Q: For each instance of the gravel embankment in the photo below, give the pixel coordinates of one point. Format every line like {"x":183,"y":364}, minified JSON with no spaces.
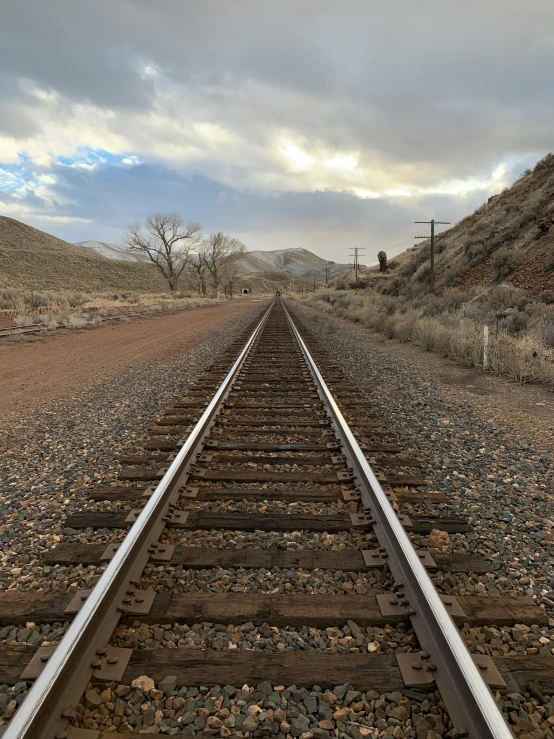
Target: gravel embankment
{"x":50,"y":460}
{"x":492,"y":477}
{"x":505,"y":482}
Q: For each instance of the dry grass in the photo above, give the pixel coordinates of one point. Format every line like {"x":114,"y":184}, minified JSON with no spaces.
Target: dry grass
{"x":77,"y":310}
{"x":452,"y":325}
{"x":15,"y":302}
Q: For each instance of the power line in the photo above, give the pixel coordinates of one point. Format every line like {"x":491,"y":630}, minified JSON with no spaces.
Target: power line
{"x":432,"y":223}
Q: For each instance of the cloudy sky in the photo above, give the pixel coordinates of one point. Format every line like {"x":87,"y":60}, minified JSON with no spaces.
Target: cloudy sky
{"x":313,"y":123}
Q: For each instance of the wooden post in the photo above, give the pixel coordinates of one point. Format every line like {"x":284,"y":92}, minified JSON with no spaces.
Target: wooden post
{"x":485,"y":347}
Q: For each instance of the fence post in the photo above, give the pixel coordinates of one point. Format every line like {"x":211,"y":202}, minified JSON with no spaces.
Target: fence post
{"x":485,"y":347}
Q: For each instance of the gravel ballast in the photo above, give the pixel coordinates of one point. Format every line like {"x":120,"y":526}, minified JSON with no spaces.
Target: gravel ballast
{"x":495,"y":478}
{"x":49,"y":461}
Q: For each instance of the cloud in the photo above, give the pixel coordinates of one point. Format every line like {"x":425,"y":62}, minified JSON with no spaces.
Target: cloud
{"x":373,"y":110}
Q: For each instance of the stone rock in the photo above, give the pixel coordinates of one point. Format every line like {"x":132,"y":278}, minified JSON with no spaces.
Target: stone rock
{"x":265,"y":688}
{"x":439,"y":539}
{"x":167,"y":685}
{"x":249,"y":724}
{"x":340,"y":691}
{"x":399,"y":712}
{"x":92,"y":698}
{"x":326,"y":724}
{"x":143,"y":683}
{"x":297,"y":727}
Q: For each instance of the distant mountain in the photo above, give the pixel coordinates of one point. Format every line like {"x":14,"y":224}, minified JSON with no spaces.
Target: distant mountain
{"x":302,"y":262}
{"x":112,"y":251}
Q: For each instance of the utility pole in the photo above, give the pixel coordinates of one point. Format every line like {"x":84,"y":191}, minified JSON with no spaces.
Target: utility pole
{"x":432,"y":222}
{"x":357,"y":250}
{"x":314,"y":281}
{"x":326,"y":273}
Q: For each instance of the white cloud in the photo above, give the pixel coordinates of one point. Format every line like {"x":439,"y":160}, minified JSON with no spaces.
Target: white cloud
{"x":21,"y":210}
{"x":184,"y":130}
{"x":497,"y":180}
{"x":132,"y":161}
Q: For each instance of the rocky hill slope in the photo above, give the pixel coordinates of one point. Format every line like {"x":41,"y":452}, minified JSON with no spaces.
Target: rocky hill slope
{"x":510,"y":238}
{"x":33,"y":259}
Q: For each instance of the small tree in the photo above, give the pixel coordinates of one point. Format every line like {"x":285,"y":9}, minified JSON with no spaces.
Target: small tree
{"x":230,"y":285}
{"x":382,"y":257}
{"x":220,"y":254}
{"x":198,"y":272}
{"x":167,"y":241}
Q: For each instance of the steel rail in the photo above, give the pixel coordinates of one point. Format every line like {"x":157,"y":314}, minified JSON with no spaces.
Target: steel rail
{"x":468,"y":698}
{"x":68,"y":670}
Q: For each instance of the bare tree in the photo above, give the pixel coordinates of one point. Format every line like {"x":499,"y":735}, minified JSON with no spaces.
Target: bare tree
{"x":198,"y":273}
{"x":220,"y":254}
{"x":230,"y":286}
{"x":167,"y":241}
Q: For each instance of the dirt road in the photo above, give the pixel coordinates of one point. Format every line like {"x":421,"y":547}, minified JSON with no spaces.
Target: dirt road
{"x":32,"y":376}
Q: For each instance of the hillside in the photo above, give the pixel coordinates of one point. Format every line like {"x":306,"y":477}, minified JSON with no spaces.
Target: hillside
{"x":33,"y":259}
{"x":510,"y":238}
{"x":113,"y":251}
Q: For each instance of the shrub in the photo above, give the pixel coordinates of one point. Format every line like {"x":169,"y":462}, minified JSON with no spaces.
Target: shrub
{"x":409,"y":269}
{"x":548,"y":333}
{"x":453,"y":298}
{"x":517,"y":323}
{"x":452,"y":276}
{"x":525,"y":218}
{"x":76,"y":299}
{"x":479,"y":252}
{"x":35,"y":300}
{"x":504,"y":263}
{"x":20,"y":321}
{"x":545,"y":163}
{"x":549,"y":266}
{"x":75,"y":321}
{"x":547,"y":297}
{"x":423,"y":273}
{"x":394,"y":287}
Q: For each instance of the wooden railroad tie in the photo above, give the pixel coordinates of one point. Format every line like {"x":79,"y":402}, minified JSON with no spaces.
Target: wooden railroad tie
{"x":350,"y":560}
{"x":378,"y":672}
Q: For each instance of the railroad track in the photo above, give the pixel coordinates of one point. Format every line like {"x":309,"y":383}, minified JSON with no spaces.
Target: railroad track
{"x":16,"y":330}
{"x":262,"y":425}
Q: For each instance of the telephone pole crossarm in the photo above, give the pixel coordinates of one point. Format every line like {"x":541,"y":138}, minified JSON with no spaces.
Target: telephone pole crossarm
{"x":432,"y":223}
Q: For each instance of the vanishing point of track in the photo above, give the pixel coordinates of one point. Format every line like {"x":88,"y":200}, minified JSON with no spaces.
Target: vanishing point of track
{"x":268,"y":386}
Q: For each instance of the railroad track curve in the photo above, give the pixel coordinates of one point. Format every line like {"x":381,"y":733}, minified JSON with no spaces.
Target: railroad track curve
{"x":272,"y":420}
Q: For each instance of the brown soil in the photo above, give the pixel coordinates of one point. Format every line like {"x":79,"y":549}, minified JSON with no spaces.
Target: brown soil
{"x":33,"y":376}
